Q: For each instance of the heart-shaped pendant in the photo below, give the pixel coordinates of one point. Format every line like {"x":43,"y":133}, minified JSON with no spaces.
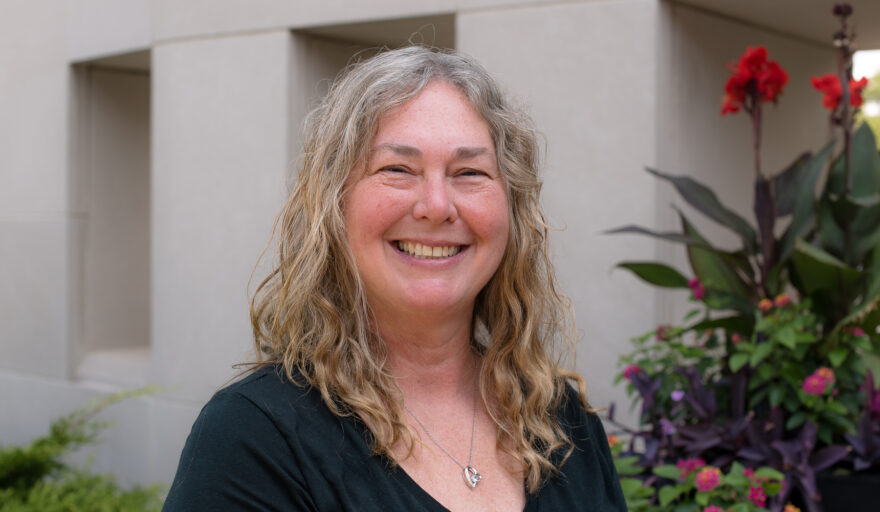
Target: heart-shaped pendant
{"x":471,"y":476}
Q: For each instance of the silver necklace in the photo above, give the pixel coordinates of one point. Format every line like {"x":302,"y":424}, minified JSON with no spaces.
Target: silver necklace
{"x":471,"y":476}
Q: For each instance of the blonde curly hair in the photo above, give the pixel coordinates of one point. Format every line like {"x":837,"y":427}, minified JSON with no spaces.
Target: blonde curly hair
{"x":310,"y":313}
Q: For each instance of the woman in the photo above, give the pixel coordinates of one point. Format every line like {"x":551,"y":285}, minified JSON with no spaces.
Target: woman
{"x":406,"y":332}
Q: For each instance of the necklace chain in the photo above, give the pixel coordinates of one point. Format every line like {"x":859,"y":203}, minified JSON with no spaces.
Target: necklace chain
{"x":471,"y":476}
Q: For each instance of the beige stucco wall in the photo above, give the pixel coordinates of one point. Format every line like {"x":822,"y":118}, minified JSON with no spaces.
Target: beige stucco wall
{"x":614,"y":85}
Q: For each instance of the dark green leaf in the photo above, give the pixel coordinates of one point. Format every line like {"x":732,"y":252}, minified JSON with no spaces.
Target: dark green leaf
{"x":777,"y":393}
{"x":820,"y":271}
{"x":714,"y":272}
{"x":786,"y":184}
{"x":796,"y":420}
{"x":704,"y":200}
{"x":865,"y":162}
{"x":657,"y":274}
{"x":805,"y":197}
{"x":669,"y":236}
{"x":738,"y":323}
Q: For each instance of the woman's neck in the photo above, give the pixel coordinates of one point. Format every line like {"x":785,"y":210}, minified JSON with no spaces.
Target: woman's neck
{"x":430,"y":358}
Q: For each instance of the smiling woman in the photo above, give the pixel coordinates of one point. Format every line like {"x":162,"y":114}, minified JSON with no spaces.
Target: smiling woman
{"x":407,"y":332}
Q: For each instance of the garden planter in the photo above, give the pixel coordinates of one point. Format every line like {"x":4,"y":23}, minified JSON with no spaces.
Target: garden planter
{"x":855,"y":492}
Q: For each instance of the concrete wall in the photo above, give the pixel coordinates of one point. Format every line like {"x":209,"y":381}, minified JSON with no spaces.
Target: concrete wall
{"x":221,"y":88}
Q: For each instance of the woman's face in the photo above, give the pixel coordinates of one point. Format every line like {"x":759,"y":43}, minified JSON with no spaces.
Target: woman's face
{"x":428,"y":220}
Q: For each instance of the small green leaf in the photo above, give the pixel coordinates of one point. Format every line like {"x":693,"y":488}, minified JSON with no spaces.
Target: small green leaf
{"x":630,"y":485}
{"x":737,"y":361}
{"x":787,"y":336}
{"x":768,"y":472}
{"x":668,"y":494}
{"x":796,"y":420}
{"x":667,"y":471}
{"x":702,"y":498}
{"x":761,"y":352}
{"x":777,"y":393}
{"x":838,"y":356}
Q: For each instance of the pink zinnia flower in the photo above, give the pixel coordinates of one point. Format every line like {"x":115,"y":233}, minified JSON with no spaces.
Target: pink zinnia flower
{"x":688,"y":466}
{"x":631,"y":370}
{"x":765,"y":305}
{"x":814,"y":385}
{"x":782,"y":300}
{"x":713,"y":508}
{"x":736,"y":338}
{"x":749,"y":473}
{"x":708,"y":478}
{"x":756,"y":494}
{"x":858,"y":332}
{"x":697,"y":288}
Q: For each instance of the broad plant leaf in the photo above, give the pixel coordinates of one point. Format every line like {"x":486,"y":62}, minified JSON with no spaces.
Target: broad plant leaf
{"x":786,"y":184}
{"x":739,"y":323}
{"x":704,"y":200}
{"x":803,"y":207}
{"x":865,"y":162}
{"x":713,"y":270}
{"x":821,"y":271}
{"x":738,"y":259}
{"x":830,"y":235}
{"x":657,"y":274}
{"x":864,"y":166}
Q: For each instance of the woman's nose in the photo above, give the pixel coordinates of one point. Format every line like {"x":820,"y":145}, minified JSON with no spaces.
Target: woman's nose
{"x":436,"y":201}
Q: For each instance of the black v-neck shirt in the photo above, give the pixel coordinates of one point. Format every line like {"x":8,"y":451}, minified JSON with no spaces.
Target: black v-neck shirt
{"x":267,"y":444}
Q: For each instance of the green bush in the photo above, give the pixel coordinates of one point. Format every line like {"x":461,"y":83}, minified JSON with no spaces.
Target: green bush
{"x":35,"y":478}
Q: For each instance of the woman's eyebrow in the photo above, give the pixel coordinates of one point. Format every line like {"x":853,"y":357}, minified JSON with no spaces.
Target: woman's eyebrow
{"x":462,"y":153}
{"x":398,"y":148}
{"x":465,"y":153}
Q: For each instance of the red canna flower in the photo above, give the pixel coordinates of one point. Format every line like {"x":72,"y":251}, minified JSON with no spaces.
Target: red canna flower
{"x":855,"y":91}
{"x":829,"y":85}
{"x":755,"y":77}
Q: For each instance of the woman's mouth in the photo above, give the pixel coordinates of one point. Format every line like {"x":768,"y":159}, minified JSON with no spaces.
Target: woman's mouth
{"x":421,"y":251}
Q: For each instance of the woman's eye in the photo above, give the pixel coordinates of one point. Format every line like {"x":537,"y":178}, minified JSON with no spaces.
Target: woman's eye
{"x":471,"y":172}
{"x":395,"y":169}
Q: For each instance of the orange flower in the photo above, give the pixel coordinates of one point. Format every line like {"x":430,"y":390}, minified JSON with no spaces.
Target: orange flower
{"x":782,"y":300}
{"x":791,"y":508}
{"x":765,"y":305}
{"x":613,"y":441}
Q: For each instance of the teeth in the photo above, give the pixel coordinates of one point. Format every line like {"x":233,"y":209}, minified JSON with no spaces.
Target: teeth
{"x":426,"y":251}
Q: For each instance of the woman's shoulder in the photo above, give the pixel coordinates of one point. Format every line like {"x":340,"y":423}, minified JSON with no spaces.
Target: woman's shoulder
{"x":266,"y":398}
